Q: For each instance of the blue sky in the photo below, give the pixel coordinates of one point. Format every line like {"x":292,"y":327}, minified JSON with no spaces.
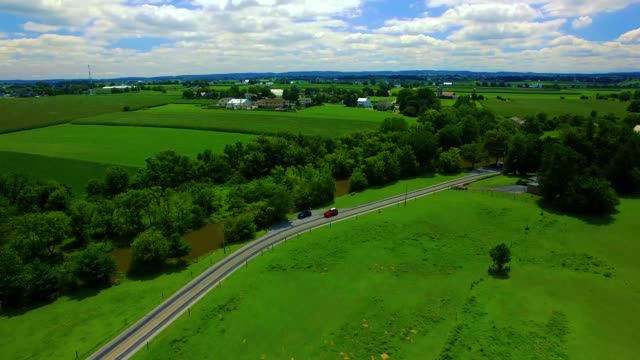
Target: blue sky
{"x":42,"y":39}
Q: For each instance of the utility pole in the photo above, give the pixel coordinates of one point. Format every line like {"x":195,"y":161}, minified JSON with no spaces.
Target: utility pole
{"x":406,"y":192}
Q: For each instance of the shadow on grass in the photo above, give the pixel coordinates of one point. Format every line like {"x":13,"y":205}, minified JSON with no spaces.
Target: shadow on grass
{"x":599,"y":220}
{"x":139,"y":272}
{"x":500,"y":274}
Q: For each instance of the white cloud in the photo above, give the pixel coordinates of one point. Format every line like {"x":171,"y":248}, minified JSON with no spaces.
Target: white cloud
{"x":581,"y":22}
{"x":632,"y":36}
{"x":549,"y":7}
{"x":35,"y":27}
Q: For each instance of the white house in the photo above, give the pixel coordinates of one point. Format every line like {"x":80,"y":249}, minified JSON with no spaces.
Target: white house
{"x":447,"y":83}
{"x":239,"y":104}
{"x":277,"y":92}
{"x":364,"y":102}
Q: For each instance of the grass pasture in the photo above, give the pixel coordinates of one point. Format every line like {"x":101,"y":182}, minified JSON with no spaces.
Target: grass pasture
{"x":28,"y":113}
{"x":128,"y":146}
{"x":75,"y":173}
{"x":86,"y":321}
{"x":412,"y":283}
{"x":327,"y":120}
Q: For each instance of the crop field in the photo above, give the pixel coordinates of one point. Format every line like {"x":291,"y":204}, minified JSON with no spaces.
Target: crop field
{"x":553,"y":107}
{"x":75,"y":173}
{"x":412,"y":283}
{"x":328,"y":120}
{"x":129,"y":146}
{"x":29,"y":113}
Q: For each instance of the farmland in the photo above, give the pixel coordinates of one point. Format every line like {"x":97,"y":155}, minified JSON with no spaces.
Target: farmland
{"x":128,"y":146}
{"x":29,"y":113}
{"x":75,"y":173}
{"x":412,"y":283}
{"x":328,"y":120}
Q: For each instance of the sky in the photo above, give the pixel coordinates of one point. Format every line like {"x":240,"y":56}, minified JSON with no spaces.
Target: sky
{"x":46,"y":39}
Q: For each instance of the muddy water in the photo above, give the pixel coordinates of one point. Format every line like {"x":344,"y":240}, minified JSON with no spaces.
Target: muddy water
{"x":202,"y":241}
{"x":205,"y":240}
{"x":123,"y":259}
{"x":342,"y":187}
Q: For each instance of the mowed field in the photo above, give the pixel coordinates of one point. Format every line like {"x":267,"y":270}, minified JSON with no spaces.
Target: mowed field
{"x":28,"y":113}
{"x":522,"y":106}
{"x":128,"y":146}
{"x":327,"y":120}
{"x":412,"y":283}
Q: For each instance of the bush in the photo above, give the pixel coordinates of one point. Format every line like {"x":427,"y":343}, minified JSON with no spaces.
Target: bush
{"x":450,"y":161}
{"x":126,"y":108}
{"x":150,"y":248}
{"x":178,"y":246}
{"x":239,"y":229}
{"x":94,"y":265}
{"x":501,"y":255}
{"x":358,"y":181}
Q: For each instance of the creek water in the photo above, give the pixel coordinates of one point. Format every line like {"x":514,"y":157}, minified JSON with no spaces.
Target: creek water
{"x":342,"y":187}
{"x":202,"y":242}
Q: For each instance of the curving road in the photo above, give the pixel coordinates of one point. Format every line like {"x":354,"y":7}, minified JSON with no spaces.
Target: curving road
{"x":136,"y":336}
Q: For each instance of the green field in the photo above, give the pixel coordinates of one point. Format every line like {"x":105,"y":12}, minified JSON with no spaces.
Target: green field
{"x":553,"y":107}
{"x":327,"y":120}
{"x":85,"y":321}
{"x":75,"y":173}
{"x":28,"y":113}
{"x":121,"y":145}
{"x":412,"y":283}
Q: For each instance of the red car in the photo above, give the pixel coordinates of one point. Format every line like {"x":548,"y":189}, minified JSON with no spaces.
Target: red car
{"x":331,"y":212}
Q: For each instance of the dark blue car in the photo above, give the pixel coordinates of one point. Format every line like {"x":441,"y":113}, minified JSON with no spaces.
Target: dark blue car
{"x":304,"y":213}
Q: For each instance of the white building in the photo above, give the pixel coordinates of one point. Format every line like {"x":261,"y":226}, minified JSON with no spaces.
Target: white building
{"x":236,"y":104}
{"x":277,"y":92}
{"x":637,"y":129}
{"x":364,"y":102}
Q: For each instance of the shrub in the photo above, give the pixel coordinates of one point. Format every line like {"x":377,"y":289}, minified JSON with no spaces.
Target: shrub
{"x":501,"y":255}
{"x":150,"y":248}
{"x":358,"y":181}
{"x":239,"y":229}
{"x":94,"y":265}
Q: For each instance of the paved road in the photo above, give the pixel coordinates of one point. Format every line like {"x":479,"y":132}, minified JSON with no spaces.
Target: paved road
{"x":135,"y":337}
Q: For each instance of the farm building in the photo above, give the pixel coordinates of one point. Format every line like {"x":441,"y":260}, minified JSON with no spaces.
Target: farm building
{"x":224,"y":101}
{"x":518,"y":120}
{"x":364,"y":102}
{"x":272,"y":104}
{"x":445,"y":94}
{"x":277,"y":92}
{"x":533,"y":186}
{"x":637,"y":129}
{"x":447,"y":84}
{"x":236,"y":104}
{"x":305,"y":101}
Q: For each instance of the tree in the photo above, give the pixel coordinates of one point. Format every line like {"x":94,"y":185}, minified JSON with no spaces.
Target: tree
{"x":450,"y":161}
{"x":449,"y":137}
{"x":167,"y":169}
{"x":634,"y":106}
{"x":94,"y":265}
{"x":188,"y":94}
{"x":495,"y":142}
{"x":39,"y":235}
{"x":501,"y":255}
{"x":150,"y":248}
{"x":473,"y":153}
{"x":95,"y":188}
{"x":590,"y":195}
{"x":15,"y":277}
{"x":560,"y":165}
{"x":239,"y":229}
{"x":358,"y":181}
{"x":116,"y":180}
{"x":178,"y":246}
{"x":394,"y":124}
{"x":81,"y":215}
{"x":58,"y":200}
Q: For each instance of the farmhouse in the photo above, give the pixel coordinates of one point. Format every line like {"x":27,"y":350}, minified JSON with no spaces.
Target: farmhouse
{"x":518,"y":120}
{"x":445,"y":94}
{"x":272,"y":104}
{"x":364,"y":102}
{"x":277,"y":92}
{"x":447,"y":84}
{"x":236,"y":104}
{"x":637,"y":129}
